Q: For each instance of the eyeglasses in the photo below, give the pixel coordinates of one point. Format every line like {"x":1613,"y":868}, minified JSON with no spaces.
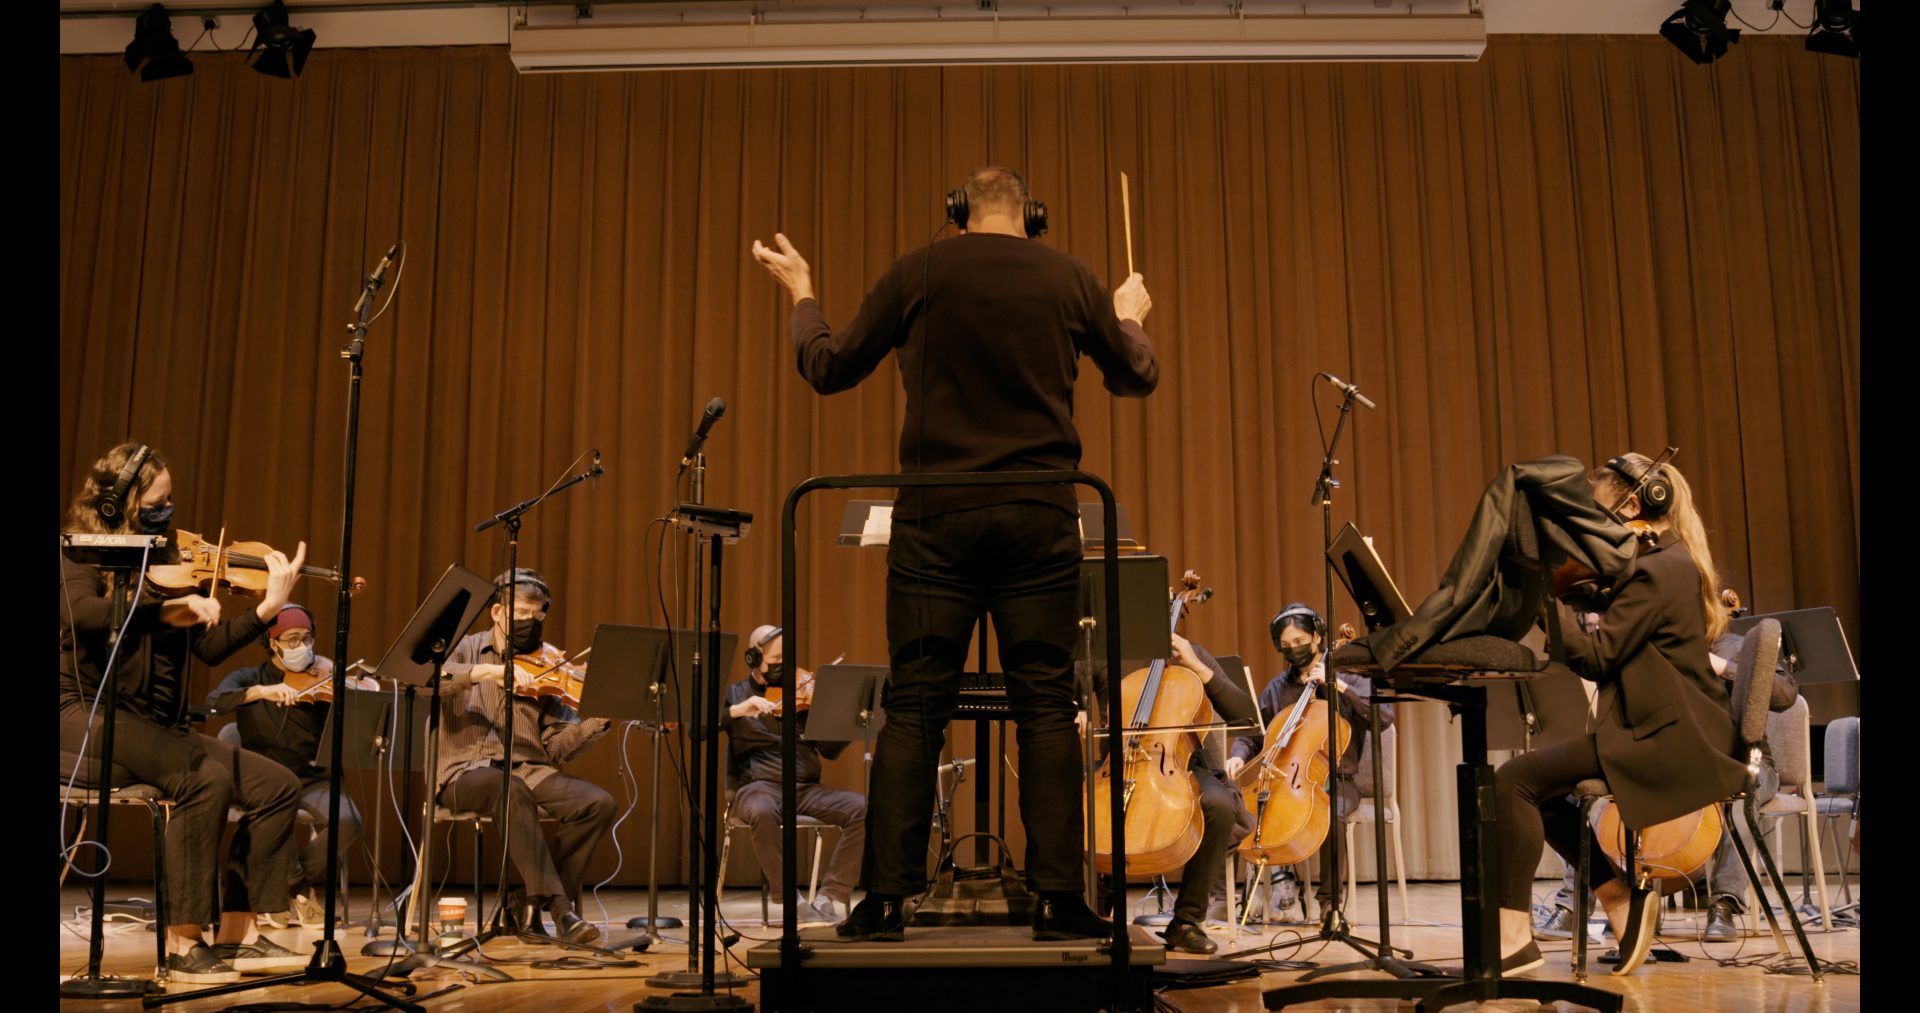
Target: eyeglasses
{"x":520,"y":614}
{"x":296,"y":640}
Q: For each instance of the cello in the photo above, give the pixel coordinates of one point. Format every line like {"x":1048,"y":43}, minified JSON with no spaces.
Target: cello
{"x":1159,"y":794}
{"x":1288,"y":794}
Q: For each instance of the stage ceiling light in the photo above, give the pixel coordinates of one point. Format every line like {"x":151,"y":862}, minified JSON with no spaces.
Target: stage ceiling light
{"x":153,"y":43}
{"x":1699,"y":29}
{"x":1836,"y":29}
{"x":282,"y":48}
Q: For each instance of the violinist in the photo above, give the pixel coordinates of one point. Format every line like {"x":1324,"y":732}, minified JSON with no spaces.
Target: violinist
{"x":1663,"y":738}
{"x":1224,"y":815}
{"x":475,"y":767}
{"x":753,"y":766}
{"x":129,"y":490}
{"x":1299,"y":634}
{"x":276,"y":722}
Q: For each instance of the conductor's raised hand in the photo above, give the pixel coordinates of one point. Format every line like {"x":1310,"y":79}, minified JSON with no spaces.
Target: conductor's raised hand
{"x":1131,"y":301}
{"x":786,"y":265}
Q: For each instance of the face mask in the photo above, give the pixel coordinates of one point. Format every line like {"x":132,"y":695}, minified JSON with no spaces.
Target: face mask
{"x":527,"y":635}
{"x":297,"y":659}
{"x":1298,"y":656}
{"x":154,"y":519}
{"x":775,"y":674}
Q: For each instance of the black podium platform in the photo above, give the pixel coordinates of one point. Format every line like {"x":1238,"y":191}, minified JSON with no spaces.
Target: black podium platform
{"x":962,"y":969}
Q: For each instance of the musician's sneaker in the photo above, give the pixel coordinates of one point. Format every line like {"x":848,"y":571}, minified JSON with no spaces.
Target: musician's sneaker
{"x":199,"y":966}
{"x":821,"y":912}
{"x":1643,"y":915}
{"x":1557,"y":925}
{"x":307,"y":911}
{"x":262,"y":956}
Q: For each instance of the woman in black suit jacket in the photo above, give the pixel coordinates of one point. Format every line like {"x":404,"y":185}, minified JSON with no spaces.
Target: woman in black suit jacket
{"x":1662,"y":739}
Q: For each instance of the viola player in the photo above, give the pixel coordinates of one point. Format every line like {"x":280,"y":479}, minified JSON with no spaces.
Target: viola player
{"x":475,"y":767}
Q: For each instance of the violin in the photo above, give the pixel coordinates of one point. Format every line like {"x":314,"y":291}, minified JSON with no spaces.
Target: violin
{"x":315,"y":685}
{"x":1159,"y":795}
{"x":1574,"y":578}
{"x":240,"y":567}
{"x":547,"y":672}
{"x":802,"y":690}
{"x":1288,"y":793}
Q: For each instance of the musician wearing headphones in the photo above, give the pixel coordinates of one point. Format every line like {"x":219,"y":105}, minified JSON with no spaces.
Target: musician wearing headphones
{"x":276,"y":722}
{"x":1224,"y":817}
{"x":475,"y":766}
{"x":1663,"y":738}
{"x":989,"y":327}
{"x":129,"y":490}
{"x":1299,"y":634}
{"x":753,"y":765}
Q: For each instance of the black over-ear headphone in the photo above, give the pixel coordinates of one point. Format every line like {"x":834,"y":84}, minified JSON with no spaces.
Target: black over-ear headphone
{"x":1292,"y":612}
{"x":523,"y":575}
{"x":1034,"y":214}
{"x":754,"y":654}
{"x":1652,"y":486}
{"x":111,"y":504}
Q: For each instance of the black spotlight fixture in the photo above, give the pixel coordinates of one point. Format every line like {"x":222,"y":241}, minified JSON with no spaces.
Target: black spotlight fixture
{"x":282,"y":48}
{"x":1699,"y":29}
{"x":153,"y":43}
{"x":1836,"y":29}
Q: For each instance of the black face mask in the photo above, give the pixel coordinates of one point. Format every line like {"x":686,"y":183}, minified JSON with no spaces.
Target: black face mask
{"x":1298,"y":657}
{"x":526,"y":635}
{"x":154,"y":519}
{"x":774,"y":674}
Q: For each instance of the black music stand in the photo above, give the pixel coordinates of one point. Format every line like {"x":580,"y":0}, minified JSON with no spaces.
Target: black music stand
{"x":376,"y":720}
{"x":635,"y":677}
{"x":414,"y":660}
{"x":1812,"y":643}
{"x":846,"y":704}
{"x":1144,"y":580}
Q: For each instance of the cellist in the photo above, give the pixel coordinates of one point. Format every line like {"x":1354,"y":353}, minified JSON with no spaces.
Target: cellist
{"x":1299,"y":634}
{"x":1221,"y":808}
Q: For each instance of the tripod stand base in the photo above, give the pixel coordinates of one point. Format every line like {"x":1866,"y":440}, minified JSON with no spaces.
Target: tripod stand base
{"x":385,"y":948}
{"x":691,"y":1001}
{"x":662,"y":922}
{"x":417,"y":960}
{"x":329,"y":967}
{"x":694,"y":979}
{"x":108,"y":988}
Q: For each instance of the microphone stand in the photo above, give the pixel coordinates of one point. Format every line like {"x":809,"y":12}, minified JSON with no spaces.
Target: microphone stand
{"x":329,"y":964}
{"x":502,"y":819}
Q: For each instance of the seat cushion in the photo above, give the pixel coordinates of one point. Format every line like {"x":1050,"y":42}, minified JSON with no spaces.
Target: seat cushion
{"x":1480,"y":654}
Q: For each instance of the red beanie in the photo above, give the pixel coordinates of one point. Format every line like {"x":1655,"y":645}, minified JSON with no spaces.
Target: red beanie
{"x":291,"y":617}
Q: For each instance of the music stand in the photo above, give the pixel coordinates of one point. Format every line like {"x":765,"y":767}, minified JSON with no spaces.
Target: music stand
{"x":1143,"y":597}
{"x":636,"y":681}
{"x":1366,"y":579}
{"x":1812,"y":643}
{"x":1536,"y":712}
{"x":846,"y":703}
{"x":373,"y":726}
{"x":414,"y":660}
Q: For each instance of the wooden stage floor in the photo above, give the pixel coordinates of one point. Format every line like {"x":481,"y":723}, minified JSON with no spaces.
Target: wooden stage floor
{"x":1433,"y":934}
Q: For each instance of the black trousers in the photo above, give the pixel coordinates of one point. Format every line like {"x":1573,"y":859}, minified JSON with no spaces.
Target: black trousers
{"x":203,"y":776}
{"x":1020,"y":564}
{"x":1532,"y":798}
{"x":1221,"y":808}
{"x":757,"y":804}
{"x":584,"y":810}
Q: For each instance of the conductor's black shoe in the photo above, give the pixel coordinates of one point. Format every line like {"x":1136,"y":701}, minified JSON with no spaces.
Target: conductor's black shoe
{"x":878,"y":917}
{"x":1188,"y":938}
{"x":1720,"y":924}
{"x":1067,"y":916}
{"x":574,"y":929}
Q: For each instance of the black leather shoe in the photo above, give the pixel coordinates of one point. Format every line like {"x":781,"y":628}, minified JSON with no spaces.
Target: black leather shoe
{"x":1067,"y":916}
{"x":878,"y":917}
{"x":1188,"y":938}
{"x":1720,"y":923}
{"x":574,"y":929}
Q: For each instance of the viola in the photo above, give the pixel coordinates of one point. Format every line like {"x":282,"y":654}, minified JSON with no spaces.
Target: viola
{"x":1159,"y":795}
{"x":548,"y":672}
{"x":1288,"y":793}
{"x":239,"y":567}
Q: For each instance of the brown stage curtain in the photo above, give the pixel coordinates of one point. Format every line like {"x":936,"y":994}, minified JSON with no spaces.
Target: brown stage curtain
{"x":1575,"y":245}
